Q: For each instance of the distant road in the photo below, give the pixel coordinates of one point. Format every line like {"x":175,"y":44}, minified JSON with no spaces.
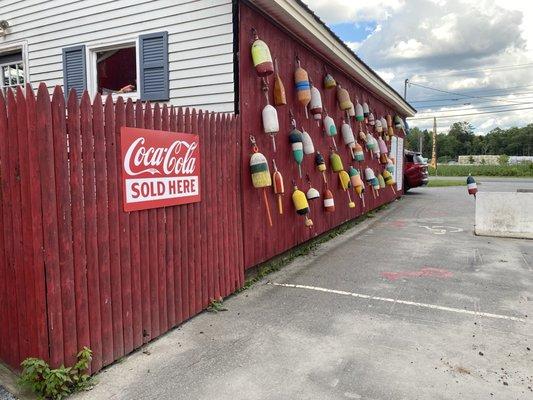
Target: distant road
{"x":495,"y":183}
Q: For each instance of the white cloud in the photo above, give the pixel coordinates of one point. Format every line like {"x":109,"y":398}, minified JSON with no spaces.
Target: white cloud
{"x":337,"y":11}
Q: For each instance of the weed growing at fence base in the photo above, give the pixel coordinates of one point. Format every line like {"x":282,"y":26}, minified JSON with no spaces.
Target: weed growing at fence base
{"x":520,"y":170}
{"x":57,"y":383}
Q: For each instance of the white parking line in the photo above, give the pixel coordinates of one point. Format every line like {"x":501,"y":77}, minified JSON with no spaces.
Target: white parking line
{"x":409,"y":303}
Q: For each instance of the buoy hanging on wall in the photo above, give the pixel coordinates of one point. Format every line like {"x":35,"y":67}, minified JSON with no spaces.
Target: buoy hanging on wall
{"x":307,"y":142}
{"x":389,"y":180}
{"x":329,"y":81}
{"x":471,"y":185}
{"x":383,"y":150}
{"x":348,"y":138}
{"x":280,"y":97}
{"x":301,"y":205}
{"x":261,"y":57}
{"x":371,"y":179}
{"x":378,"y":126}
{"x":359,"y":114}
{"x":270,"y":117}
{"x":330,"y":129}
{"x":343,"y":98}
{"x":366,"y":110}
{"x":279,"y":187}
{"x":303,"y":88}
{"x":260,"y":174}
{"x":359,"y":153}
{"x":315,"y":105}
{"x":344,"y":179}
{"x":296,"y":142}
{"x":329,"y":201}
{"x":336,"y":162}
{"x":357,"y":183}
{"x":321,"y":165}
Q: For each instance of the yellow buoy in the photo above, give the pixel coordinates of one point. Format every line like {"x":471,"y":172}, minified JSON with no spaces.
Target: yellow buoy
{"x":336,"y":162}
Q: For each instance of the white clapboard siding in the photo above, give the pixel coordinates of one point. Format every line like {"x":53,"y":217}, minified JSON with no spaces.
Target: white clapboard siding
{"x":200,"y":40}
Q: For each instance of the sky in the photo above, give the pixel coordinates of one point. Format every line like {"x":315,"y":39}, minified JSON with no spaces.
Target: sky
{"x":479,"y":50}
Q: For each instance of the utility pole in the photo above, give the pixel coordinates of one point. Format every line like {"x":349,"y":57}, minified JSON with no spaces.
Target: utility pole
{"x":405,"y":89}
{"x":421,"y":142}
{"x":434,"y":147}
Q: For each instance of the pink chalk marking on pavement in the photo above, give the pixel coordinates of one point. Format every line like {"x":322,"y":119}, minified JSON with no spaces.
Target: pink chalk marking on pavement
{"x":426,"y":272}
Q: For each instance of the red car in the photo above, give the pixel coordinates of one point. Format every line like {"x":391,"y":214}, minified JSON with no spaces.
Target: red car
{"x":416,"y":170}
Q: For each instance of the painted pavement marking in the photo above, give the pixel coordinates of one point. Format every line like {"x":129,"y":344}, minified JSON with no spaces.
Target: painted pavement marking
{"x":405,"y":302}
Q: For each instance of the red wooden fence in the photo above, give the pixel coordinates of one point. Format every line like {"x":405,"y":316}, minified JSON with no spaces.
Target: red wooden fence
{"x":75,"y":269}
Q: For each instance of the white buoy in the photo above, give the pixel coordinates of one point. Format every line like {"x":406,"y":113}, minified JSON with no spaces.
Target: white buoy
{"x":308,"y":146}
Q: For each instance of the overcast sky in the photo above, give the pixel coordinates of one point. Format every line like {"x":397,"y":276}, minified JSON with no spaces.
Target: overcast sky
{"x":433,"y":42}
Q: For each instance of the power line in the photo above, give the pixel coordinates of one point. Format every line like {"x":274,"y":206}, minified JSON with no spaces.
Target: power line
{"x":462,"y":98}
{"x":499,"y":68}
{"x":460,"y":94}
{"x":466,"y":115}
{"x":474,"y":108}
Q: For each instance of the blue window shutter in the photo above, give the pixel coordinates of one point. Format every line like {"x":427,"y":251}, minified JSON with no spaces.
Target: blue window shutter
{"x":74,"y":69}
{"x":154,"y":66}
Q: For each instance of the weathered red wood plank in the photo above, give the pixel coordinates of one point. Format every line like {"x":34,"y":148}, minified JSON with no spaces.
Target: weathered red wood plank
{"x":64,"y":218}
{"x":78,"y":221}
{"x":111,"y":324}
{"x":176,"y":262}
{"x":204,"y":227}
{"x":161,"y":247}
{"x":49,"y":210}
{"x":152,"y":245}
{"x":130,"y":267}
{"x":144,"y":254}
{"x":91,"y":238}
{"x":196,"y":236}
{"x":207,"y":198}
{"x":215,"y":125}
{"x":190,"y":237}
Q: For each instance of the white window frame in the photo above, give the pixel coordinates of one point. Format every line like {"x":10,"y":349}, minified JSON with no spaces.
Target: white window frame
{"x":23,"y":47}
{"x":91,"y":55}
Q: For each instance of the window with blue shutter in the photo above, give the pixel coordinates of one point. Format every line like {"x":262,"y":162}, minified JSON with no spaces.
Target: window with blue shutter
{"x":153,"y":49}
{"x":74,"y":69}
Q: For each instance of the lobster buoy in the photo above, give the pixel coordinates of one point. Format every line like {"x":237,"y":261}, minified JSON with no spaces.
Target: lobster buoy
{"x":260,"y":174}
{"x":378,"y":126}
{"x":315,"y":106}
{"x":303,"y":87}
{"x":381,"y":181}
{"x":330,"y":129}
{"x":371,"y":179}
{"x":383,"y":150}
{"x":362,"y":134}
{"x":261,"y":56}
{"x":390,"y":129}
{"x":357,"y":183}
{"x":371,"y":144}
{"x":295,"y":139}
{"x":280,"y":97}
{"x":343,"y":98}
{"x":390,"y":166}
{"x":312,"y":193}
{"x":366,"y":110}
{"x":375,"y":149}
{"x":398,"y":123}
{"x":329,"y":201}
{"x":270,"y":117}
{"x":359,"y":114}
{"x":301,"y":205}
{"x":385,"y":127}
{"x":371,"y":119}
{"x":345,"y":184}
{"x":307,"y":142}
{"x":336,"y":162}
{"x":471,"y":185}
{"x":321,"y":165}
{"x":279,"y":187}
{"x":359,"y":153}
{"x":389,"y":180}
{"x":329,"y":81}
{"x":348,"y":137}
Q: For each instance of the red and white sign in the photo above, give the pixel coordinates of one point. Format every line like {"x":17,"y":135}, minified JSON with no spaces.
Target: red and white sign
{"x":160,"y":168}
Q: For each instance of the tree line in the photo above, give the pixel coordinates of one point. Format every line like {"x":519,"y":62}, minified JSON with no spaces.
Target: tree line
{"x":461,"y":140}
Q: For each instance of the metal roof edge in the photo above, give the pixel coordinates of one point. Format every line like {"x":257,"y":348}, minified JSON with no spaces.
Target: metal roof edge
{"x":297,"y":13}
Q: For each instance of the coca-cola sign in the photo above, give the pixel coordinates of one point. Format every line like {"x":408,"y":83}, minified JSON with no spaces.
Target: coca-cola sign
{"x":159,"y":168}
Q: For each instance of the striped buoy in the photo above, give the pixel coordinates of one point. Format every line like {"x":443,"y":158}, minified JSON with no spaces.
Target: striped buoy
{"x":471,"y":185}
{"x":321,"y":165}
{"x":307,"y":142}
{"x":359,"y":113}
{"x":348,"y":138}
{"x":261,"y":57}
{"x":336,"y":162}
{"x":330,"y":129}
{"x":371,"y":179}
{"x":280,"y":98}
{"x":383,"y":150}
{"x":359,"y":153}
{"x":315,"y":105}
{"x":260,"y":174}
{"x":303,"y":88}
{"x":344,"y":179}
{"x":390,"y":166}
{"x":295,"y":139}
{"x":301,"y":205}
{"x":329,"y":201}
{"x":312,"y":193}
{"x":270,"y":117}
{"x":279,"y":187}
{"x":389,"y":180}
{"x":385,"y":127}
{"x":371,"y":119}
{"x":357,"y":183}
{"x":370,"y":144}
{"x":366,"y":110}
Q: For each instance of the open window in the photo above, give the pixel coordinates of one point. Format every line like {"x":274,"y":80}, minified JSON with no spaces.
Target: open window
{"x":116,"y":70}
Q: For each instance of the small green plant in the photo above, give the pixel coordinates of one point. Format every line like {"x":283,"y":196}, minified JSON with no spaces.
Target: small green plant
{"x":57,"y":383}
{"x":216,"y":306}
{"x":503,"y":159}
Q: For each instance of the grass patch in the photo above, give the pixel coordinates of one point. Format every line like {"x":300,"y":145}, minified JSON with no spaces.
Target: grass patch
{"x":446,"y":182}
{"x":518,"y":170}
{"x":255,"y":274}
